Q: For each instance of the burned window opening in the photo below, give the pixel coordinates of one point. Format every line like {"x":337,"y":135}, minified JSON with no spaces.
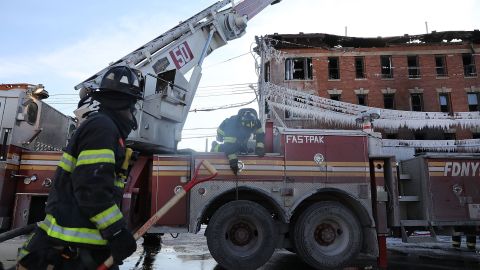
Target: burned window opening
{"x":389,"y":101}
{"x":266,"y":72}
{"x":441,"y":66}
{"x":333,"y":68}
{"x":298,"y":68}
{"x":335,"y":97}
{"x":469,"y":68}
{"x":359,"y":67}
{"x":387,"y":68}
{"x":416,"y":101}
{"x":362,"y":99}
{"x":413,"y":66}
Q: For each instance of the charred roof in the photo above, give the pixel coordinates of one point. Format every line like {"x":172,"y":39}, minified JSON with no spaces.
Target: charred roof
{"x":302,"y":40}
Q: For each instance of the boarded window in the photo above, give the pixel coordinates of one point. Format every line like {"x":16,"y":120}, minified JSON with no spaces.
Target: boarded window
{"x":298,"y":68}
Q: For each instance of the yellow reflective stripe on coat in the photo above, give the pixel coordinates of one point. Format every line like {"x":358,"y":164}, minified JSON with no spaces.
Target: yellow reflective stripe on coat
{"x":67,"y":162}
{"x":75,"y":235}
{"x":232,"y":156}
{"x":221,"y":132}
{"x":259,"y":130}
{"x":230,"y":139}
{"x":260,"y":144}
{"x":96,"y":156}
{"x":22,"y":253}
{"x":107,"y":217}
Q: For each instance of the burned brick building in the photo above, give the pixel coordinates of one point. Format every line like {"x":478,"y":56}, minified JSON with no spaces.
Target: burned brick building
{"x":435,"y":72}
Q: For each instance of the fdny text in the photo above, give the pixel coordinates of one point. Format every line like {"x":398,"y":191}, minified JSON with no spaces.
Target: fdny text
{"x":304,"y":139}
{"x":462,"y":169}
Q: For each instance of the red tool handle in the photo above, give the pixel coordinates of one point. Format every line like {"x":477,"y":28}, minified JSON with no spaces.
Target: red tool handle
{"x":174,"y":200}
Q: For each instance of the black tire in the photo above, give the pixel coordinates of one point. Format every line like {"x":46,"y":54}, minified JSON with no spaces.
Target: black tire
{"x":241,"y":235}
{"x":327,"y":235}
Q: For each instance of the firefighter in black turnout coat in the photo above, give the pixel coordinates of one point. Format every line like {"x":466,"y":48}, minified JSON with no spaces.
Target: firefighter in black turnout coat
{"x":235,"y":132}
{"x":83,"y":224}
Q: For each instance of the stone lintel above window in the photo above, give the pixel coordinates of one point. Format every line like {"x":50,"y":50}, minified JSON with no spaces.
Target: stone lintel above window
{"x":444,"y":90}
{"x":416,"y":90}
{"x":472,"y":89}
{"x":389,"y":90}
{"x":334,"y":91}
{"x":361,"y":91}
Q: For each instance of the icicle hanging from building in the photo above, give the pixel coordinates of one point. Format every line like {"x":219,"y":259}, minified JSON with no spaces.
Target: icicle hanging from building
{"x":472,"y":145}
{"x":344,"y":114}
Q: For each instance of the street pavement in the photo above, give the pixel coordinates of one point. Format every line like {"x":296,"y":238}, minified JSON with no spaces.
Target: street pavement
{"x":190,"y":252}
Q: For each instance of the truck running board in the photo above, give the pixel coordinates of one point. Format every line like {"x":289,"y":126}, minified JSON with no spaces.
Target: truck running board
{"x":412,"y":231}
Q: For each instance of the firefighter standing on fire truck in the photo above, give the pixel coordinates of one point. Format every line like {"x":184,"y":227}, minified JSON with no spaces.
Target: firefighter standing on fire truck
{"x":83,"y":224}
{"x":235,"y":131}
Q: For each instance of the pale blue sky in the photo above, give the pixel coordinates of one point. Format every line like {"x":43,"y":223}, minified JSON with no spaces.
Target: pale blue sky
{"x":61,"y":43}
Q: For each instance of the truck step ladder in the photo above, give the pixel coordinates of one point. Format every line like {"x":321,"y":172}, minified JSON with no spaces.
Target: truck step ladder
{"x":407,"y":226}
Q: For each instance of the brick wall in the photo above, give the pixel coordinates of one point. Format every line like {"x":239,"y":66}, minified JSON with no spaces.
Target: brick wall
{"x":455,"y":83}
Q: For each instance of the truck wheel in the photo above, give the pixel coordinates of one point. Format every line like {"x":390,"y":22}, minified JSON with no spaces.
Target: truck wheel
{"x":327,"y":235}
{"x":241,"y":235}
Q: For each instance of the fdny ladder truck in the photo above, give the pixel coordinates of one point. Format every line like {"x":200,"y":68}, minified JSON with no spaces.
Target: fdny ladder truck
{"x":326,"y":195}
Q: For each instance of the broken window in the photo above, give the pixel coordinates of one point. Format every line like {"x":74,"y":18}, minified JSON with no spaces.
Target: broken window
{"x":441,"y":65}
{"x":416,"y":101}
{"x":362,"y":99}
{"x":444,"y":100}
{"x":333,"y":68}
{"x":413,"y":66}
{"x":359,"y":67}
{"x":387,"y":68}
{"x":335,"y":97}
{"x":389,"y":101}
{"x":266,"y":71}
{"x":298,"y":68}
{"x":473,"y":101}
{"x":469,"y":68}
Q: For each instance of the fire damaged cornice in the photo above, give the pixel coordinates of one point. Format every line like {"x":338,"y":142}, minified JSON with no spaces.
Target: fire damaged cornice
{"x":328,"y":41}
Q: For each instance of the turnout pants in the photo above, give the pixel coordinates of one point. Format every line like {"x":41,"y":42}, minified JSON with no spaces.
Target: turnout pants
{"x":39,"y":252}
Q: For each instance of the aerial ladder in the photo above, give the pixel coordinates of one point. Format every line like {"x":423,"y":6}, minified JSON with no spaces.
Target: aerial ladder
{"x":166,"y":60}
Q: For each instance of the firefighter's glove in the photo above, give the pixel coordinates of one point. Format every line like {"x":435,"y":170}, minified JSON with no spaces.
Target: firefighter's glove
{"x":122,"y":245}
{"x":234,"y":165}
{"x":260,"y":151}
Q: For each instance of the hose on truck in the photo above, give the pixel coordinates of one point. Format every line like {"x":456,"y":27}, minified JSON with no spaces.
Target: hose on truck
{"x":17,"y":232}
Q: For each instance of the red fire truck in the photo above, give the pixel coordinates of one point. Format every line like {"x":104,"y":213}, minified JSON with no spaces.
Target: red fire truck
{"x":327,"y":195}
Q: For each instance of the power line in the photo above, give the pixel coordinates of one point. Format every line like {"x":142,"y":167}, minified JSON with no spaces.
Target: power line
{"x":230,"y":59}
{"x":236,"y":105}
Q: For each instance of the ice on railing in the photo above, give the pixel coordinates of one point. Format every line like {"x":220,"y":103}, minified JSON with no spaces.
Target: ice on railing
{"x":342,"y":113}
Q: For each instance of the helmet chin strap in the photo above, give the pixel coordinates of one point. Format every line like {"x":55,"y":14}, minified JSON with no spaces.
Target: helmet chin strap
{"x":134,"y":123}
